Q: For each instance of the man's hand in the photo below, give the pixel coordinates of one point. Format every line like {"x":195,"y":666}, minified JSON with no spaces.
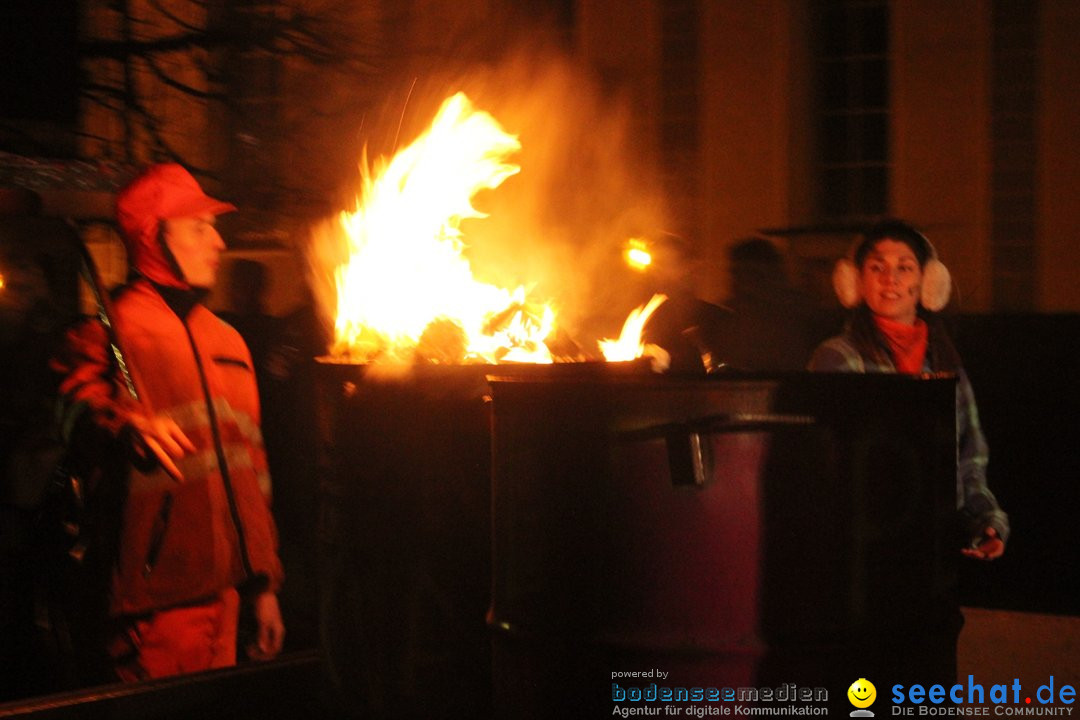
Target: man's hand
{"x":989,"y":547}
{"x":271,"y":633}
{"x":160,"y":438}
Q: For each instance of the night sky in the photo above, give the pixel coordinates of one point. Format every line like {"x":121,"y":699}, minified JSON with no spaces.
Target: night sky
{"x":39,"y":76}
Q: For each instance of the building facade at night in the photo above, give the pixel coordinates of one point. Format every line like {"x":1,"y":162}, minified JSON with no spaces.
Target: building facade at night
{"x":797,"y":116}
{"x":707,"y":121}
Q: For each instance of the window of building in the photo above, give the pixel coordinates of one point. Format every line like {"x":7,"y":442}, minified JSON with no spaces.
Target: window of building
{"x":680,"y":121}
{"x":851,"y":53}
{"x":1013,"y":153}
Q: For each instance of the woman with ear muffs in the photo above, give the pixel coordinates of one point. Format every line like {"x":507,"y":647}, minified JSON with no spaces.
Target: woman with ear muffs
{"x":894,"y":285}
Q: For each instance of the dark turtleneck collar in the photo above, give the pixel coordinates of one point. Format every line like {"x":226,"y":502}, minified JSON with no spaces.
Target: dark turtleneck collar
{"x":181,"y":300}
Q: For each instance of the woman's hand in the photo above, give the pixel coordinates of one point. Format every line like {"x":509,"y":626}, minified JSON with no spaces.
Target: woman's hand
{"x":989,"y":547}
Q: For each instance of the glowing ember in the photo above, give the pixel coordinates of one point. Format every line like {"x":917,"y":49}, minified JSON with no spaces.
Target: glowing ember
{"x":629,"y":345}
{"x":406,"y":290}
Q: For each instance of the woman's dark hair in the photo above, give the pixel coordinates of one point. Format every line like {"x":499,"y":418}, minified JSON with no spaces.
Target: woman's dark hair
{"x":893,"y":229}
{"x":865,"y":335}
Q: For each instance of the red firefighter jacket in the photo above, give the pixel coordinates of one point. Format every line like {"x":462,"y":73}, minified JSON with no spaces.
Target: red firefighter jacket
{"x":187,"y":541}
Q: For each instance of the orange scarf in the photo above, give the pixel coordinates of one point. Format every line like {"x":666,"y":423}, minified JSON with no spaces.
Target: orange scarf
{"x":907,"y":343}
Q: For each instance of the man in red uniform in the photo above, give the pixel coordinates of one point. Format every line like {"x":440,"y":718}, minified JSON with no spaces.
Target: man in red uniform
{"x":195,"y":536}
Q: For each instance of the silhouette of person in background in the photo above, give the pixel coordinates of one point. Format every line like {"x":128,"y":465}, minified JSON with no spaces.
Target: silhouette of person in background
{"x":769,"y":328}
{"x":247,"y":285}
{"x":684,"y":325}
{"x":38,"y":298}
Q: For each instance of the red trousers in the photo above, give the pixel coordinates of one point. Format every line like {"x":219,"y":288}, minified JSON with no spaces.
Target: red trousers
{"x":178,"y":640}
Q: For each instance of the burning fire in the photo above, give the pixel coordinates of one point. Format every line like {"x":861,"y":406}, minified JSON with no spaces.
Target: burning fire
{"x":405,"y":290}
{"x":406,"y":287}
{"x":629,"y":345}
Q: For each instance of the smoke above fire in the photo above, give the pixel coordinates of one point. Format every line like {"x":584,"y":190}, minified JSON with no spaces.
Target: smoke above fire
{"x":574,"y":184}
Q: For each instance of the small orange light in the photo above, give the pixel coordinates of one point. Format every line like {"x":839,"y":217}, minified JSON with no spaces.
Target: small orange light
{"x":637,"y":254}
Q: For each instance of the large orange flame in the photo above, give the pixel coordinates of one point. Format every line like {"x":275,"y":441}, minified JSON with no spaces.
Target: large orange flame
{"x":406,"y":286}
{"x":404,"y":289}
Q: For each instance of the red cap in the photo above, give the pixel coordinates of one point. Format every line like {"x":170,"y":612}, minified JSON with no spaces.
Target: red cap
{"x":161,"y":192}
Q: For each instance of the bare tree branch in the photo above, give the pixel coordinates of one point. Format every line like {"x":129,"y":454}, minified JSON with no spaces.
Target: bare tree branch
{"x":93,"y":136}
{"x":129,"y":83}
{"x":177,"y":85}
{"x":150,"y":125}
{"x":124,"y":49}
{"x":315,"y":35}
{"x":178,"y":21}
{"x":88,"y":90}
{"x":210,"y":72}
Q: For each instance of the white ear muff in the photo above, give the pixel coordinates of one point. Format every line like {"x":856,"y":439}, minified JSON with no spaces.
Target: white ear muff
{"x":845,"y":281}
{"x":936,"y":285}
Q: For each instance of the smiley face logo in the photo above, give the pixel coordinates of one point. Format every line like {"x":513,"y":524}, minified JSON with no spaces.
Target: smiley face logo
{"x":862,"y":693}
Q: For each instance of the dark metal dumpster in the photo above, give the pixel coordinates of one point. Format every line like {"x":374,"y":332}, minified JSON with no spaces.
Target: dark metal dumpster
{"x":721,"y":532}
